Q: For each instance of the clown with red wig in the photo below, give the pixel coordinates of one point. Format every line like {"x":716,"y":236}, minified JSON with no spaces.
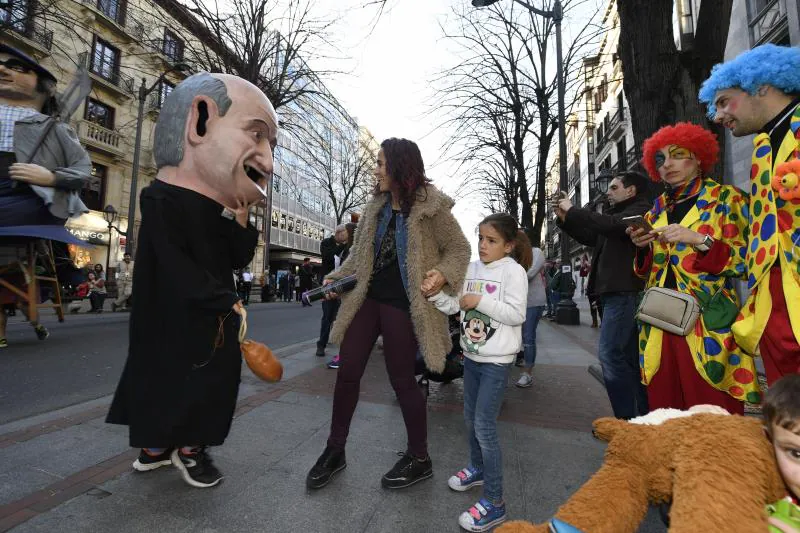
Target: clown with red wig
{"x":697,"y":247}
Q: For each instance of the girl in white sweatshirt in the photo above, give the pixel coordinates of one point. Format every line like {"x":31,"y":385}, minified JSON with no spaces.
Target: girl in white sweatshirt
{"x":492,"y":304}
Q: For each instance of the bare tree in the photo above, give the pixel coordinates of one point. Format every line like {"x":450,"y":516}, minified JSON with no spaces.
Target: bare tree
{"x":270,"y":43}
{"x":499,"y":103}
{"x":661,"y":81}
{"x":341,"y":160}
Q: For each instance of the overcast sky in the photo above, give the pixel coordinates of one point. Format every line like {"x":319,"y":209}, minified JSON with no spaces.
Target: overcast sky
{"x":390,"y":64}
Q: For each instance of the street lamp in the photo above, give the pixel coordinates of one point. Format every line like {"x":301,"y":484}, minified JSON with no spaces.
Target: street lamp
{"x":143,"y":92}
{"x":111,"y":216}
{"x":567,"y":310}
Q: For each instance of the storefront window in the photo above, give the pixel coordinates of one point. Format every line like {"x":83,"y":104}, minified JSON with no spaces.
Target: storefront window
{"x":297,"y":227}
{"x":290,"y":225}
{"x":274,"y":219}
{"x":283,"y":221}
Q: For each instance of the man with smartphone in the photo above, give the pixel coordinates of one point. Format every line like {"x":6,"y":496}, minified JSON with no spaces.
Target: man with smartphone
{"x":613,"y":281}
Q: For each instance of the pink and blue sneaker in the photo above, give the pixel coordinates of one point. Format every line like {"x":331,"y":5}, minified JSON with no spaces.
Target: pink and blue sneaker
{"x":465,"y":479}
{"x":482,"y":516}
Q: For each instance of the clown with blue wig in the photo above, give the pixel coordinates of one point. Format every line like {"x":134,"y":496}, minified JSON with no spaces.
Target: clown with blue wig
{"x":759,"y":93}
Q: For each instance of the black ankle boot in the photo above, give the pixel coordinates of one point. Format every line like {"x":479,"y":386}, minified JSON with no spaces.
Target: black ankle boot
{"x":407,"y":471}
{"x":329,"y":463}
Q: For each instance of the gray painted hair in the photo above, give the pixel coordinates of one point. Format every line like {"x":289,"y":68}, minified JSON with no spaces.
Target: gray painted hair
{"x":340,"y":227}
{"x":169,"y":133}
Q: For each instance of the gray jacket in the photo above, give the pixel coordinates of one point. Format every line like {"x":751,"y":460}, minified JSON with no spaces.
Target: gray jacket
{"x":536,"y":280}
{"x":63,"y":155}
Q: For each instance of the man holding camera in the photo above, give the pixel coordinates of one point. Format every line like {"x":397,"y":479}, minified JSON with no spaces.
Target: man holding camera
{"x":613,"y":280}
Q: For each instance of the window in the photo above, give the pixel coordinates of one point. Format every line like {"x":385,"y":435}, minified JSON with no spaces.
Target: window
{"x":274,"y":219}
{"x":298,"y":227}
{"x":164,"y":91}
{"x":172,"y":46}
{"x":99,"y":113}
{"x":93,"y":189}
{"x":105,"y":60}
{"x":15,"y":15}
{"x":283,"y":221}
{"x":290,"y":225}
{"x":113,"y":9}
{"x":305,"y":228}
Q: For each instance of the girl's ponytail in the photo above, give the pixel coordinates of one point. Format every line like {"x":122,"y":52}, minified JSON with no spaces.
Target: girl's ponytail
{"x":523,"y":250}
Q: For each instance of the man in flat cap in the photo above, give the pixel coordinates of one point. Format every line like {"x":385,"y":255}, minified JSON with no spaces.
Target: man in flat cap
{"x":39,"y":183}
{"x":44,"y":189}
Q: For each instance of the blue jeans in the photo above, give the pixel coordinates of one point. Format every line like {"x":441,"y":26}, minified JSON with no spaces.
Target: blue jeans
{"x":619,"y":355}
{"x":532,"y":317}
{"x":484,"y":388}
{"x":555,"y":297}
{"x":330,"y":308}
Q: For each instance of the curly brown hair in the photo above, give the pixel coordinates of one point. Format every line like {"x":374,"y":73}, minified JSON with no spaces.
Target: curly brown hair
{"x":404,"y":165}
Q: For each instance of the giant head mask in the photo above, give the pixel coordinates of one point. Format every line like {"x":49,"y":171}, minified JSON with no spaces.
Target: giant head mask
{"x":23,"y":82}
{"x":215,"y":135}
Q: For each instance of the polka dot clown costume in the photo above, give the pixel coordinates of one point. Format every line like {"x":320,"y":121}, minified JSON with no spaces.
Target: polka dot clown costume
{"x":766,"y":324}
{"x":706,"y":366}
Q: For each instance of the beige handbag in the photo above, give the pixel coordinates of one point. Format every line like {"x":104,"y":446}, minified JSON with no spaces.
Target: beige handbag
{"x":670,"y":310}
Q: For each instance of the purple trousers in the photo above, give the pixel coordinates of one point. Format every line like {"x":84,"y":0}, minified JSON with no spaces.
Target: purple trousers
{"x":400,"y":350}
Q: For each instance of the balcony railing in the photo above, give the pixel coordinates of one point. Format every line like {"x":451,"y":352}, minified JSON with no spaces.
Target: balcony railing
{"x":770,"y":21}
{"x":632,"y":158}
{"x":31,"y":30}
{"x":617,"y":120}
{"x":100,"y":137}
{"x":115,"y":78}
{"x":158,"y":46}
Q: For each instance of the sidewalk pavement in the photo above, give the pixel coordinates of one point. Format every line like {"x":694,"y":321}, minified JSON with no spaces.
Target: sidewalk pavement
{"x":71,"y":472}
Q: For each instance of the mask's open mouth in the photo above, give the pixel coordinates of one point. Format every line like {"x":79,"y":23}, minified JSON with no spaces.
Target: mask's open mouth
{"x":257,"y":177}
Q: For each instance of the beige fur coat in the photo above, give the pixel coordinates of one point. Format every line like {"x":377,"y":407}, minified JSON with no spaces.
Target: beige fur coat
{"x":435,"y":241}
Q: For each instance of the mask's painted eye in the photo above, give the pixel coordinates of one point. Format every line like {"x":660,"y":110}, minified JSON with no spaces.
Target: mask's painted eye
{"x":680,"y":153}
{"x":660,"y":159}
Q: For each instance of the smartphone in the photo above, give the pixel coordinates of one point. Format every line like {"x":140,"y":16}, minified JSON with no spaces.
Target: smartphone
{"x":638,"y":222}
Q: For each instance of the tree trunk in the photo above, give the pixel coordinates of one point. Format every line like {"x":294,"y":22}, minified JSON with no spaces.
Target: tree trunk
{"x":661,"y":82}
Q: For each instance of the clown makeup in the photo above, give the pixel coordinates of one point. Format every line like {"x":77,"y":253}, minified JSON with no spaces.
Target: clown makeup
{"x":676,"y":165}
{"x":737,"y":111}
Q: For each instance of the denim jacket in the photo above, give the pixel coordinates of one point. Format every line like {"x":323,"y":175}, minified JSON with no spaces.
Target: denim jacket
{"x":401,"y":237}
{"x":63,"y":155}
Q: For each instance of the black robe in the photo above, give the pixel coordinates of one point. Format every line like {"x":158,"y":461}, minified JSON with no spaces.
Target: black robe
{"x":177,"y":388}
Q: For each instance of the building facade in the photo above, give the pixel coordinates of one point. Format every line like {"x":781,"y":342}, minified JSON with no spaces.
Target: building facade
{"x":600,"y":138}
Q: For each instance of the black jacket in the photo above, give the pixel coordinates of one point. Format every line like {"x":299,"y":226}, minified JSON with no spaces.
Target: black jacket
{"x":329,"y":249}
{"x":612,"y":263}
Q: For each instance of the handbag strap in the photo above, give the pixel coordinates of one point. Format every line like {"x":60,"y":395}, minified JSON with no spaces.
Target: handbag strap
{"x":242,"y":324}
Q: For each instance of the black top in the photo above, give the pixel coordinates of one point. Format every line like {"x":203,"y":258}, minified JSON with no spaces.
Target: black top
{"x":181,"y":378}
{"x":679,"y":211}
{"x":781,"y":123}
{"x":386,"y":284}
{"x":329,"y":249}
{"x":612,"y":262}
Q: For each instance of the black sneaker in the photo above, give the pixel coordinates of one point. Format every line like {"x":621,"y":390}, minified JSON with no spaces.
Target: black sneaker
{"x":320,"y":351}
{"x":329,"y":463}
{"x":41,"y":332}
{"x":147,"y":462}
{"x":520,"y":361}
{"x":203,"y":475}
{"x":407,"y":471}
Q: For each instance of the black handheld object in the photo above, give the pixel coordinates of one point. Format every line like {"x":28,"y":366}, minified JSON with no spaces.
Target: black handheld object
{"x":638,"y":222}
{"x":338,"y":287}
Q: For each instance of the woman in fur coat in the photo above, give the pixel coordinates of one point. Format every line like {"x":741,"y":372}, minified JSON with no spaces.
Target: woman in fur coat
{"x":406,"y":235}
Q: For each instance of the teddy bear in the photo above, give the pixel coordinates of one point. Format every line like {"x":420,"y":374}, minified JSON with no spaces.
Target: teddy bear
{"x":717,"y":470}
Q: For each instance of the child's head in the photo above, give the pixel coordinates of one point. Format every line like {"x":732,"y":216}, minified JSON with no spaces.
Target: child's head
{"x":782,"y":421}
{"x":499,"y":236}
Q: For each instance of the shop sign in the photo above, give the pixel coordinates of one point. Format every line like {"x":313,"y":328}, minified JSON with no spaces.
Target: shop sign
{"x":90,"y":236}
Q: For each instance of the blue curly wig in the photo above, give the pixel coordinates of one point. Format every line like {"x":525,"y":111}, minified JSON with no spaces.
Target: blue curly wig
{"x":768,"y":64}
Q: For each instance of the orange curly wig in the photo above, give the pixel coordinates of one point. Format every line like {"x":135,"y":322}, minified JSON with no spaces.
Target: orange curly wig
{"x":701,"y":142}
